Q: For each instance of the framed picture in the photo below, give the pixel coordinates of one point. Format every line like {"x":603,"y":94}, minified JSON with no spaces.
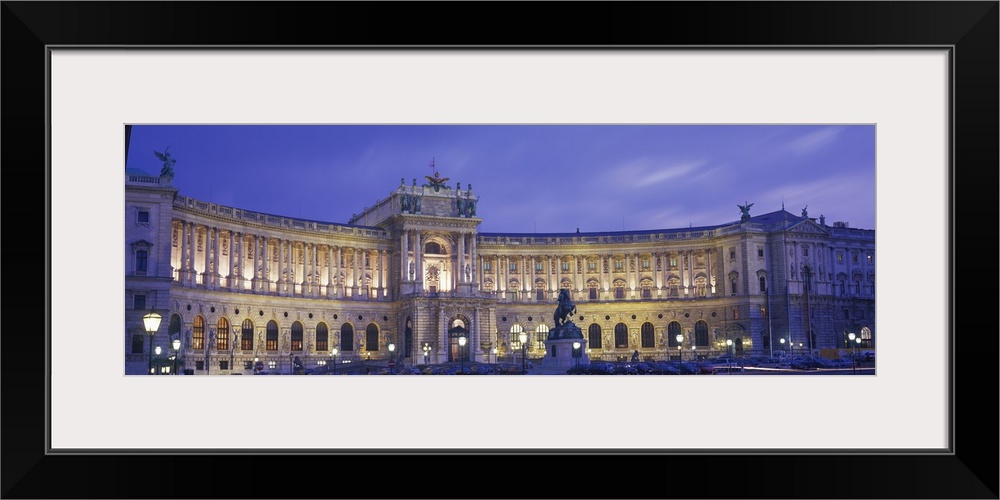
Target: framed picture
{"x":923,"y":74}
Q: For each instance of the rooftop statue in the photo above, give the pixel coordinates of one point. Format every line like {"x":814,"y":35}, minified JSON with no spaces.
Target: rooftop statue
{"x":168,"y":162}
{"x":804,"y":212}
{"x":436,"y":182}
{"x":745,"y":211}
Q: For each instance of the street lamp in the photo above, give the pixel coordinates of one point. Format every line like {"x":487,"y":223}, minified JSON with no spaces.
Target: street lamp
{"x":857,"y":347}
{"x":151,"y":322}
{"x":177,"y":349}
{"x":523,"y":337}
{"x":255,"y":361}
{"x":494,"y":355}
{"x":854,"y":354}
{"x":729,"y":358}
{"x":392,"y":362}
{"x":334,"y":360}
{"x":158,"y":351}
{"x":680,"y":340}
{"x":427,"y":352}
{"x":461,"y":354}
{"x":576,"y":352}
{"x":291,"y":363}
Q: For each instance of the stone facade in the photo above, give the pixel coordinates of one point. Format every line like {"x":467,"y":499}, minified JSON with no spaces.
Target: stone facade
{"x":235,"y":285}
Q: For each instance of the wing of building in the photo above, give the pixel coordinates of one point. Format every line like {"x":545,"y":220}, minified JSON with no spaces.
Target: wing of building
{"x":234,"y":285}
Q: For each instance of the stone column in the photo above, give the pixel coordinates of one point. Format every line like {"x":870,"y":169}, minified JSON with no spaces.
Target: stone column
{"x":239,"y":261}
{"x":382,"y":259}
{"x":600,"y":268}
{"x":329,"y":272}
{"x":282,"y":267}
{"x":404,"y":268}
{"x":216,"y":235}
{"x":418,"y":250}
{"x":558,"y":260}
{"x":336,"y":273}
{"x":355,"y":289}
{"x":474,"y":257}
{"x":461,"y":258}
{"x":710,"y":287}
{"x":206,"y":275}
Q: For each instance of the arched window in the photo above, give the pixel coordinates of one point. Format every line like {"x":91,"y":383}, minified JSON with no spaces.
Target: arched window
{"x":434,"y":248}
{"x":222,"y":339}
{"x":594,"y":336}
{"x":296,"y":336}
{"x":593,"y":286}
{"x":515,"y":337}
{"x":541,"y":335}
{"x":673,"y":329}
{"x":322,"y":338}
{"x":619,"y":286}
{"x":371,"y":337}
{"x":646,"y":335}
{"x":347,"y":337}
{"x":762,"y":282}
{"x":198,"y":333}
{"x":271,"y":341}
{"x":565,"y":284}
{"x":621,"y":335}
{"x":246,"y":335}
{"x":701,"y":334}
{"x":647,"y":288}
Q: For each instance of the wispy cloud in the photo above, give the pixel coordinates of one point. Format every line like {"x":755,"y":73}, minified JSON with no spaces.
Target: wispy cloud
{"x":815,"y":140}
{"x":645,"y":172}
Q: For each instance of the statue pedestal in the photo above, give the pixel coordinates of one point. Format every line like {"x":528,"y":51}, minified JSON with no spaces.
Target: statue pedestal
{"x":559,"y":347}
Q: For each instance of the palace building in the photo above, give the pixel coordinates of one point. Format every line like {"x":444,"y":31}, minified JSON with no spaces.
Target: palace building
{"x":414,"y":272}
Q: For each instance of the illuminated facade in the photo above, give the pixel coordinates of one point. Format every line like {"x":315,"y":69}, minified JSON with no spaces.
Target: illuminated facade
{"x":414,"y":271}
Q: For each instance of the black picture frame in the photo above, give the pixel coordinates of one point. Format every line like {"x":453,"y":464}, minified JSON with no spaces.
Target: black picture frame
{"x":969,"y":28}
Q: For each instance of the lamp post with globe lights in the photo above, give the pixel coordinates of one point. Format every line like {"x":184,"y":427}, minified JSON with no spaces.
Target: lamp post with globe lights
{"x":392,"y":362}
{"x":151,"y":322}
{"x":461,"y":352}
{"x":159,"y":369}
{"x":680,"y":341}
{"x":176,"y":344}
{"x":523,"y":337}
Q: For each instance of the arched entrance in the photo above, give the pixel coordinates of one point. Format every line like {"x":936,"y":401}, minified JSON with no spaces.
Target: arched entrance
{"x":458,"y":329}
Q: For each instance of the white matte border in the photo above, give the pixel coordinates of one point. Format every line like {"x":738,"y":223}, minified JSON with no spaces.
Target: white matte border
{"x":95,"y":92}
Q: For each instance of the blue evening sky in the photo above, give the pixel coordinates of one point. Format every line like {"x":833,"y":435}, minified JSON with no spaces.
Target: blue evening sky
{"x":530,"y":178}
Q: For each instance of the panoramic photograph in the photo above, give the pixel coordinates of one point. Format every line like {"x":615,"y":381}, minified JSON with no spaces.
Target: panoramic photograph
{"x":585,"y":249}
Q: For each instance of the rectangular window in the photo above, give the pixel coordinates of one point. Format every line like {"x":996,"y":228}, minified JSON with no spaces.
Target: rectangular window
{"x":732,"y":255}
{"x":540,"y":294}
{"x":565,"y":267}
{"x":246,"y":340}
{"x":645,"y":263}
{"x":760,"y":252}
{"x":224,"y":365}
{"x":592,"y":265}
{"x":137,"y":343}
{"x":805,"y":251}
{"x":248,"y":365}
{"x":840,"y":256}
{"x":854,"y":257}
{"x":619,"y":292}
{"x":539,"y":267}
{"x":371,"y":341}
{"x":512,"y":267}
{"x":139,"y":301}
{"x":142,"y":217}
{"x":271,"y":343}
{"x":487,"y":266}
{"x":199,"y":365}
{"x":593,"y":294}
{"x":619,"y":265}
{"x":140,"y":262}
{"x":647,"y":293}
{"x":321,"y":345}
{"x":869,"y":258}
{"x":673,"y":261}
